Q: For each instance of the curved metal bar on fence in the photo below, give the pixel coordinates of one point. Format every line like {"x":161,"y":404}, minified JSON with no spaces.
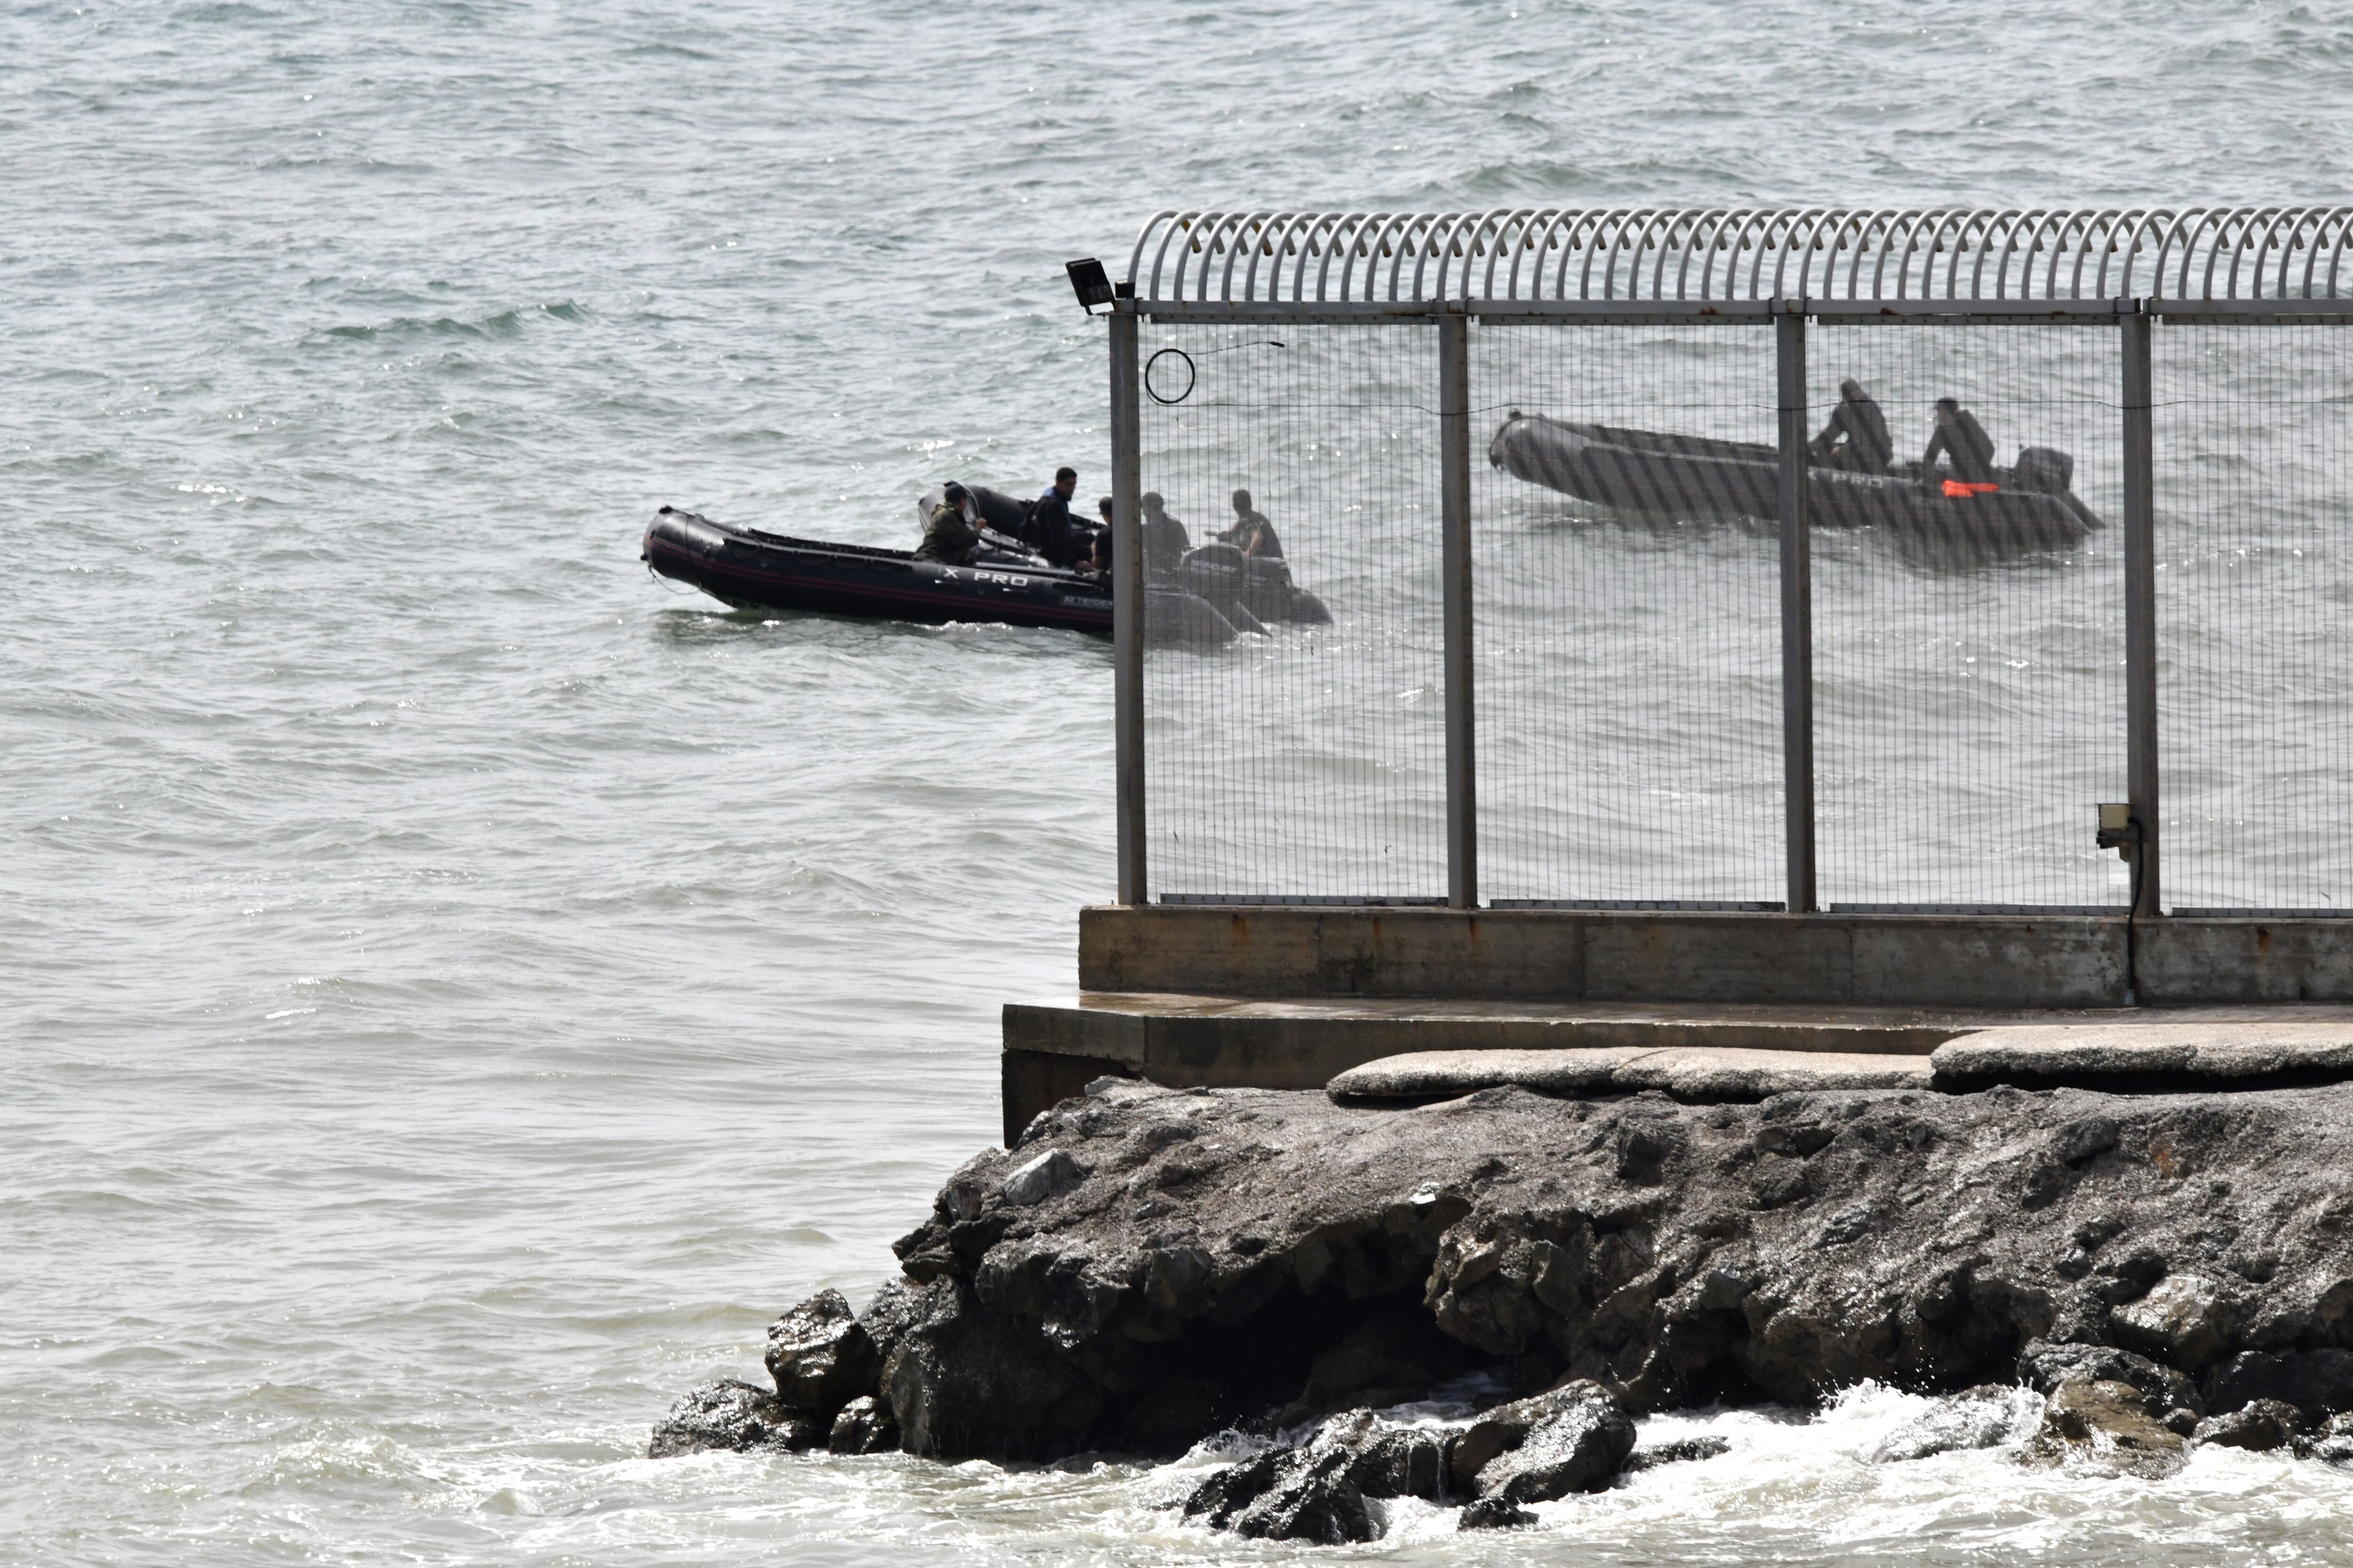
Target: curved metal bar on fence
{"x":1826,"y":256}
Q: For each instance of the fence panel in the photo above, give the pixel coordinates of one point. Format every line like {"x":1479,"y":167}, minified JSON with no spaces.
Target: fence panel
{"x":2253,"y":428}
{"x":1306,"y":762}
{"x":1969,"y":647}
{"x":1628,"y":662}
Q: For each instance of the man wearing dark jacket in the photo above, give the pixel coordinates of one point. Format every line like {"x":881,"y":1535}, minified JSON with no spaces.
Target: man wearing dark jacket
{"x":1863,"y":429}
{"x":1962,"y":441}
{"x":1050,"y":523}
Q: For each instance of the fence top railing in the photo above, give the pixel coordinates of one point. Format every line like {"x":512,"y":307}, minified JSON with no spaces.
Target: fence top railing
{"x":1636,"y":255}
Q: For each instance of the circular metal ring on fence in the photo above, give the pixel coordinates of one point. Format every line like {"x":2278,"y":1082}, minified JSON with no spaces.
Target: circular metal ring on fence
{"x":1152,"y":364}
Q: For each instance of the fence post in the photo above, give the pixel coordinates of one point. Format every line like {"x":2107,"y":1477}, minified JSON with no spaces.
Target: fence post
{"x":2140,"y":604}
{"x":1455,"y":529}
{"x":1127,"y":612}
{"x":1796,"y":608}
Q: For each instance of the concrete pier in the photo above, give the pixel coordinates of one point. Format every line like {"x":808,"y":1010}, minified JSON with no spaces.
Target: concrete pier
{"x":1290,"y":997}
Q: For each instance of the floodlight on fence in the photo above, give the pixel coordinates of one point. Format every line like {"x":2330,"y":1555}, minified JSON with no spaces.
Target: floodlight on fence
{"x":1090,"y":283}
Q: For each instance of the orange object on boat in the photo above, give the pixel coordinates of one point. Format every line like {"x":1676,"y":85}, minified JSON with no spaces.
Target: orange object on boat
{"x":1961,"y":491}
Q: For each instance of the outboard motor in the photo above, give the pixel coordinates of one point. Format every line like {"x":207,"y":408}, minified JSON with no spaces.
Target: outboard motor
{"x":2044,"y":468}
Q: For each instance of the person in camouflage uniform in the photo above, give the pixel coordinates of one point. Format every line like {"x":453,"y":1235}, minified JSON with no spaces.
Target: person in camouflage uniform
{"x":951,"y":538}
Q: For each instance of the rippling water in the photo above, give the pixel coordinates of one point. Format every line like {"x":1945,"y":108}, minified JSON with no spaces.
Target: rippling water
{"x":455,"y":990}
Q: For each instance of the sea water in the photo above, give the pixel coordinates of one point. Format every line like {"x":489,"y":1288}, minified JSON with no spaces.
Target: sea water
{"x":455,"y":989}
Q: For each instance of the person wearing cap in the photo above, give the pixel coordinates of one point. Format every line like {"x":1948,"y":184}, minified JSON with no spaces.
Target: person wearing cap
{"x":1962,"y":441}
{"x":1251,"y":530}
{"x":953,"y":536}
{"x":1856,"y":438}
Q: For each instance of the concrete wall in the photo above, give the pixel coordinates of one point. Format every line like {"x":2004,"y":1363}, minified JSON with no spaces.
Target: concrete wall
{"x":2180,"y":962}
{"x":1964,"y":960}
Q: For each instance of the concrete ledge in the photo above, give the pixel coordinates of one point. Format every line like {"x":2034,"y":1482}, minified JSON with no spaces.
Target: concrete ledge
{"x":1689,"y":1074}
{"x":1305,"y":1041}
{"x":1054,"y":1046}
{"x":2216,"y":1055}
{"x":1607,"y":956}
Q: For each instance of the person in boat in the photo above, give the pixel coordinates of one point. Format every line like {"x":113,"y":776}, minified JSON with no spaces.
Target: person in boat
{"x":1962,"y":442}
{"x":1251,"y":530}
{"x":953,"y":536}
{"x":1856,"y":438}
{"x":1052,"y":527}
{"x":1165,"y":540}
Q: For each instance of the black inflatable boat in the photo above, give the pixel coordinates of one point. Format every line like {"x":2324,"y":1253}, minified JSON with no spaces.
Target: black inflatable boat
{"x":2026,"y":506}
{"x":748,"y":569}
{"x":1247,"y":590}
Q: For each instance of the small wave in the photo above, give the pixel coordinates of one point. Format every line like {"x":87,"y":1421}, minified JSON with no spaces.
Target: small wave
{"x":505,"y":324}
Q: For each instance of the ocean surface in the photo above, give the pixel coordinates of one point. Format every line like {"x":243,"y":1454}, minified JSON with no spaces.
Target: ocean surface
{"x":455,"y":989}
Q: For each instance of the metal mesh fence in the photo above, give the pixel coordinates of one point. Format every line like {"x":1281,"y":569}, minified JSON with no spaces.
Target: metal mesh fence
{"x":1306,"y":760}
{"x":1969,"y":644}
{"x":2254,"y":435}
{"x":1969,"y":657}
{"x":1628,"y":641}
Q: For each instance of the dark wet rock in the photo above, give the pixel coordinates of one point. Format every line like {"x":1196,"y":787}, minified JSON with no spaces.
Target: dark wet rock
{"x":1316,"y":1490}
{"x":1494,"y":1513}
{"x":1681,"y":1451}
{"x":820,"y":1357}
{"x":965,"y":1382}
{"x":2261,"y":1424}
{"x":1981,"y":1418}
{"x":2319,"y":1383}
{"x":1287,"y":1494}
{"x":732,"y":1416}
{"x":1578,"y":1450}
{"x":865,"y":1426}
{"x":2184,"y":1321}
{"x":2106,"y":1425}
{"x":1498,"y":1431}
{"x":2332,"y":1444}
{"x":895,"y":1308}
{"x":1389,"y":1460}
{"x":1403,"y":1462}
{"x":2044,"y":1367}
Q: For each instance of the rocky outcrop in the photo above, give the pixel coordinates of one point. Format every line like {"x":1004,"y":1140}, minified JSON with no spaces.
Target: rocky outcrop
{"x":732,"y":1416}
{"x":1150,"y":1267}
